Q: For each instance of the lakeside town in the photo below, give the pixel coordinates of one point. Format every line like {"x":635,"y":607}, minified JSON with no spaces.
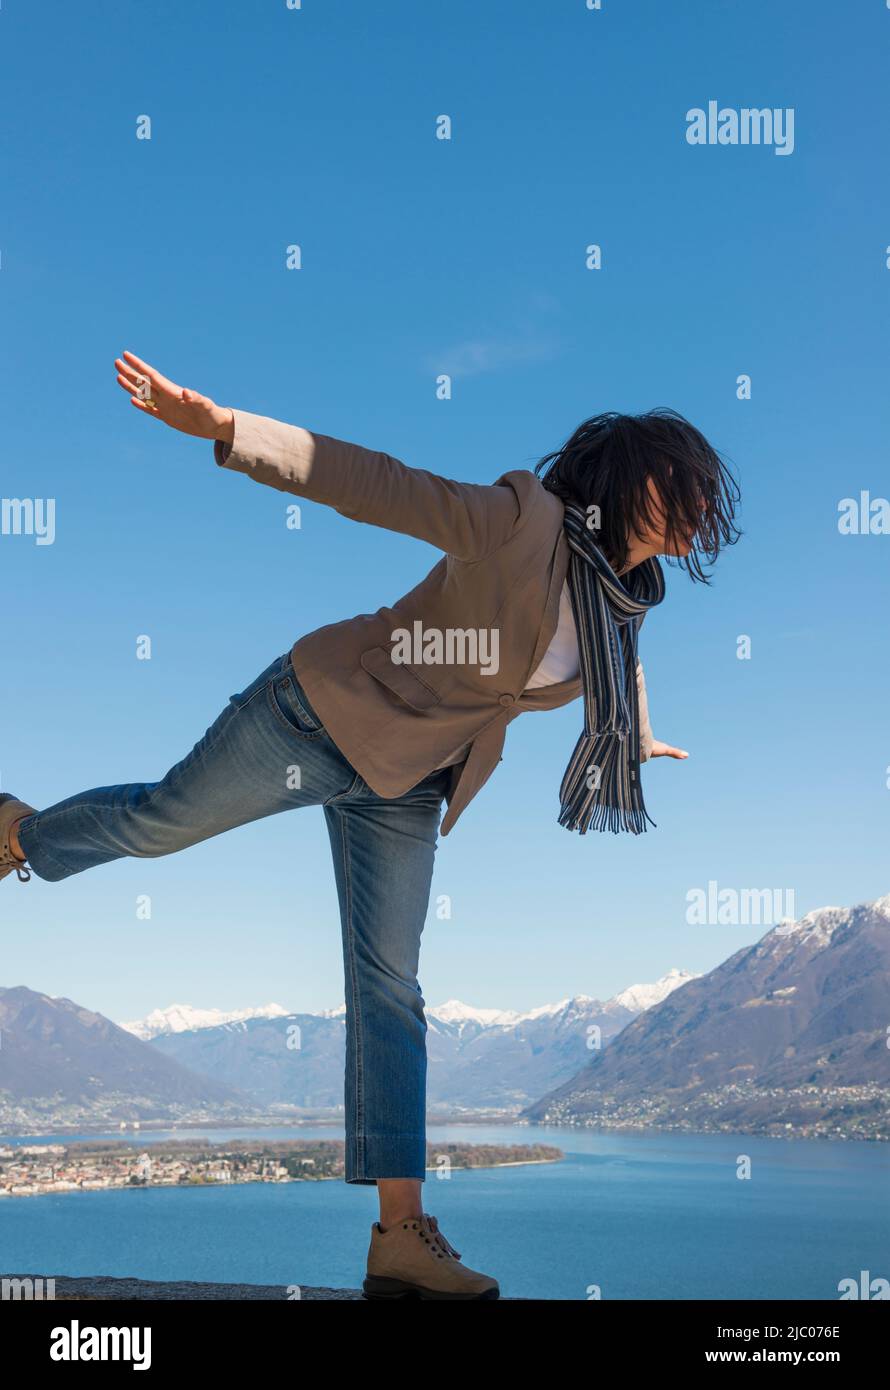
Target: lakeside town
{"x":29,"y":1170}
{"x":800,"y":1112}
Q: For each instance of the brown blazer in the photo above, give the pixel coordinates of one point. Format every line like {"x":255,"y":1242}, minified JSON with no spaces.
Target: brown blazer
{"x":504,"y":563}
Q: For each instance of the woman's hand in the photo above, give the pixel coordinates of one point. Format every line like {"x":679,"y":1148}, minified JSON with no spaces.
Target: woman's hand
{"x":176,"y":406}
{"x":665,"y":750}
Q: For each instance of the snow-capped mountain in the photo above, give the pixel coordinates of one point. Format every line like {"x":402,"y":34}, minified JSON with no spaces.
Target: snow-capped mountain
{"x":183,"y":1018}
{"x":478,"y":1058}
{"x":634,"y":999}
{"x":464,"y":1018}
{"x":455,"y":1012}
{"x":789,"y":1034}
{"x":640,"y":997}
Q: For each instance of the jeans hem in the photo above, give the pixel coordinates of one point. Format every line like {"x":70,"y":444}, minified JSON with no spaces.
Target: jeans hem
{"x":45,"y":866}
{"x":385,"y":1156}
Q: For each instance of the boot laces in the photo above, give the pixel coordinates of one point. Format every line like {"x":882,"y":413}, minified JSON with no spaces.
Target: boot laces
{"x":440,"y":1240}
{"x":9,"y":862}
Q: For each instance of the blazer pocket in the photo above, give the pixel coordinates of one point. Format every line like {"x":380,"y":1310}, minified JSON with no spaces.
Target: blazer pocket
{"x":401,"y":680}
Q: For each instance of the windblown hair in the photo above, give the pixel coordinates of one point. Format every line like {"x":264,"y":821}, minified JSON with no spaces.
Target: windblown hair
{"x":608,"y":462}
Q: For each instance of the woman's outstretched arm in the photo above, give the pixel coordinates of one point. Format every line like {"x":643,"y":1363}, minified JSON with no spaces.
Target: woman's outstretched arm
{"x":467,"y":520}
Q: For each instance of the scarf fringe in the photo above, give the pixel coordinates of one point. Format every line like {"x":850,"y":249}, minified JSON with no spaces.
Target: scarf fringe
{"x":602,"y":817}
{"x":616,"y":803}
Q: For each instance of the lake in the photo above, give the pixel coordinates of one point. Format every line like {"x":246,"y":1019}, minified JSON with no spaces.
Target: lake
{"x":641,"y":1216}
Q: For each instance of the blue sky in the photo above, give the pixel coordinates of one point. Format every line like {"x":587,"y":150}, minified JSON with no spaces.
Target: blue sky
{"x":317,"y":127}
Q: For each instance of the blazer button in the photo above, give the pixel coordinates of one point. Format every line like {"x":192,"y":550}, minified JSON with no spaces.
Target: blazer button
{"x":506,"y":700}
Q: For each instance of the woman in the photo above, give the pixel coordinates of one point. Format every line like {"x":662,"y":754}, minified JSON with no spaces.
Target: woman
{"x":544,"y":581}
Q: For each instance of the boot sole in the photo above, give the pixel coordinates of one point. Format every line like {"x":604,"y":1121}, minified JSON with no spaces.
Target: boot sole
{"x":375,"y":1287}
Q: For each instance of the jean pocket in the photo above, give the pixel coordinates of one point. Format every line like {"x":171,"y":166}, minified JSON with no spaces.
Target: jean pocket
{"x":289,"y":703}
{"x":274,"y":669}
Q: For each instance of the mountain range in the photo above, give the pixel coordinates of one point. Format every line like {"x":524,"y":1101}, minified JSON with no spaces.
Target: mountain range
{"x":63,"y":1066}
{"x":789,"y":1034}
{"x":479,"y":1059}
{"x":185,"y":1018}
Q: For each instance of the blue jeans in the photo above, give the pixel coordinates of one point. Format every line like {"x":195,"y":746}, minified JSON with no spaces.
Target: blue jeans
{"x":268,"y":752}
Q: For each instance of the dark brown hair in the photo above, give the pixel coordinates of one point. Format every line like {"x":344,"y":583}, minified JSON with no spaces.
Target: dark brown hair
{"x":608,"y":462}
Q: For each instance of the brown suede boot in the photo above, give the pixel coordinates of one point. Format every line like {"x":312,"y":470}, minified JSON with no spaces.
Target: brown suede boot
{"x":11,"y":810}
{"x":414,"y":1260}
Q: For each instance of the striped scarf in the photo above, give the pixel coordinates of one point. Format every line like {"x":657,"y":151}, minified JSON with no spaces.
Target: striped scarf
{"x":601,"y":785}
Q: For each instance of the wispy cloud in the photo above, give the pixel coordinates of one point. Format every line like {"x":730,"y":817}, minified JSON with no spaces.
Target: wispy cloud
{"x":478,"y":355}
{"x":529,"y":338}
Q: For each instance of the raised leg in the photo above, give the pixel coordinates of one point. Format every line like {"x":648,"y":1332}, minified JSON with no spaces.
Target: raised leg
{"x":265,"y":753}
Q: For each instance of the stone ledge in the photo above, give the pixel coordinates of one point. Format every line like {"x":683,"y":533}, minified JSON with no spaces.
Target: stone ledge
{"x":115,"y":1290}
{"x":107,"y":1289}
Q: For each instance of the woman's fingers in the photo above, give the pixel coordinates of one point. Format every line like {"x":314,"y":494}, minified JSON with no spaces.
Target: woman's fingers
{"x":667,"y":750}
{"x":144,"y":383}
{"x":140,"y":389}
{"x":130,"y":373}
{"x":157,"y":379}
{"x":132,"y":384}
{"x":151,"y":410}
{"x":143,"y":368}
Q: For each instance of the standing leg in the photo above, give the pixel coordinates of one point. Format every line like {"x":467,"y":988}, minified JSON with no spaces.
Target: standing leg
{"x":383,"y":857}
{"x":383,"y":860}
